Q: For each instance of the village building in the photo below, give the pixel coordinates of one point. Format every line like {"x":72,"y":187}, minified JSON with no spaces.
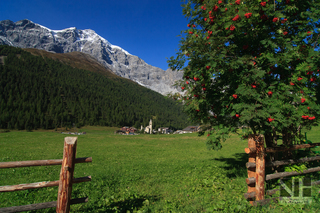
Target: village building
{"x":148,"y":129}
{"x":165,"y":130}
{"x":128,"y":130}
{"x":191,"y":129}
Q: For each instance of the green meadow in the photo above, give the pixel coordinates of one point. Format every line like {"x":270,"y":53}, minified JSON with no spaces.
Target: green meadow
{"x":138,"y":173}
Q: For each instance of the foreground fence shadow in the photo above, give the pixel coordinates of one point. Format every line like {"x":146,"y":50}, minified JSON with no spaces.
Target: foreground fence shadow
{"x":131,"y":204}
{"x":234,"y":166}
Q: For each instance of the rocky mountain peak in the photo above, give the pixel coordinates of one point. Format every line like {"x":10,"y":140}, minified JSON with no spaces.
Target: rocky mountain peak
{"x":26,"y":34}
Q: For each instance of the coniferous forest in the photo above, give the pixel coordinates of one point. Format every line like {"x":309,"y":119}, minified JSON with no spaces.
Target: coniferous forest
{"x":37,"y":92}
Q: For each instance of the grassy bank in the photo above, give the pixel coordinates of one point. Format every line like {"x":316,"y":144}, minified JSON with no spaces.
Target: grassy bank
{"x":142,"y":173}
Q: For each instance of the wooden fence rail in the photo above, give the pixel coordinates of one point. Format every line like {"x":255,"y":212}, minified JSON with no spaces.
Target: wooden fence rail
{"x":43,"y":184}
{"x":15,"y":164}
{"x":285,"y":162}
{"x":38,"y":206}
{"x":65,"y":182}
{"x":256,"y":167}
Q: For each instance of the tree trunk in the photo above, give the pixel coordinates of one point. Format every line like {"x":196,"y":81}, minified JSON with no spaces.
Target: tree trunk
{"x":287,"y":141}
{"x":275,"y":144}
{"x":271,"y":142}
{"x":269,"y":139}
{"x":275,"y":137}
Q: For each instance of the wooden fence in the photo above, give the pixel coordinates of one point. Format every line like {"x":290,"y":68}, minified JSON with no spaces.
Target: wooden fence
{"x":256,"y":168}
{"x":65,"y":182}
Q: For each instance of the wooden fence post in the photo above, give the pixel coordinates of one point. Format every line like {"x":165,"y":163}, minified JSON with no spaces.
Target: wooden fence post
{"x":260,"y":167}
{"x":252,"y":159}
{"x":66,"y":175}
{"x":257,"y":164}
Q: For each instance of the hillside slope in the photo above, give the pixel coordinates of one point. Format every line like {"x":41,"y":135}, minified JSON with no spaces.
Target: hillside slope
{"x":76,"y":60}
{"x":39,"y":92}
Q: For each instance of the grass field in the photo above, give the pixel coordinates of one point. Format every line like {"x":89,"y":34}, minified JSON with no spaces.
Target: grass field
{"x":141,"y":173}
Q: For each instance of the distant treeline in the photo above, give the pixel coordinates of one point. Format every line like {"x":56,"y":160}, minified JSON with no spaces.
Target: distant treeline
{"x":38,"y":92}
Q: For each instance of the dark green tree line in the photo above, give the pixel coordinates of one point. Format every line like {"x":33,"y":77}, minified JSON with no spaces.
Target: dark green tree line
{"x":44,"y":93}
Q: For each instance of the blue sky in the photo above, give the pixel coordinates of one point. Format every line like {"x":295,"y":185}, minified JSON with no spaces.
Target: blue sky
{"x":145,"y":28}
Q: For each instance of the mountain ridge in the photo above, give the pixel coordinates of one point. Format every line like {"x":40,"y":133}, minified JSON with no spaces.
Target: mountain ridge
{"x":27,"y":34}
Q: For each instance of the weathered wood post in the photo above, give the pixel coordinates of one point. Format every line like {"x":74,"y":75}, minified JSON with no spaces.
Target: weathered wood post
{"x":251,"y":150}
{"x":260,"y":167}
{"x":66,"y":175}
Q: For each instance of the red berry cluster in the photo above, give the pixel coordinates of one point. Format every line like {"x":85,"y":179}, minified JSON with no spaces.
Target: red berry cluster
{"x":270,"y":119}
{"x":307,"y":117}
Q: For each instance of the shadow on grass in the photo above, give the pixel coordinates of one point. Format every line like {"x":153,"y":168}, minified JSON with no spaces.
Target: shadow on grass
{"x":236,"y":166}
{"x":131,"y":204}
{"x":127,"y":205}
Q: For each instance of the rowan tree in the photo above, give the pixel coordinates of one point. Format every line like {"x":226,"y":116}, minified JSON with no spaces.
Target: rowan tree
{"x":250,"y":64}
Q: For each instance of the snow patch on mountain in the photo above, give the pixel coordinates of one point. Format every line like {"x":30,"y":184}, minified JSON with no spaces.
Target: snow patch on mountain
{"x":117,"y":47}
{"x":44,"y":27}
{"x":86,"y":35}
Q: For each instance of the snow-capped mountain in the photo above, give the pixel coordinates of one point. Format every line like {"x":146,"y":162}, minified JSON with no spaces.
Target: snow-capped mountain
{"x":26,"y":34}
